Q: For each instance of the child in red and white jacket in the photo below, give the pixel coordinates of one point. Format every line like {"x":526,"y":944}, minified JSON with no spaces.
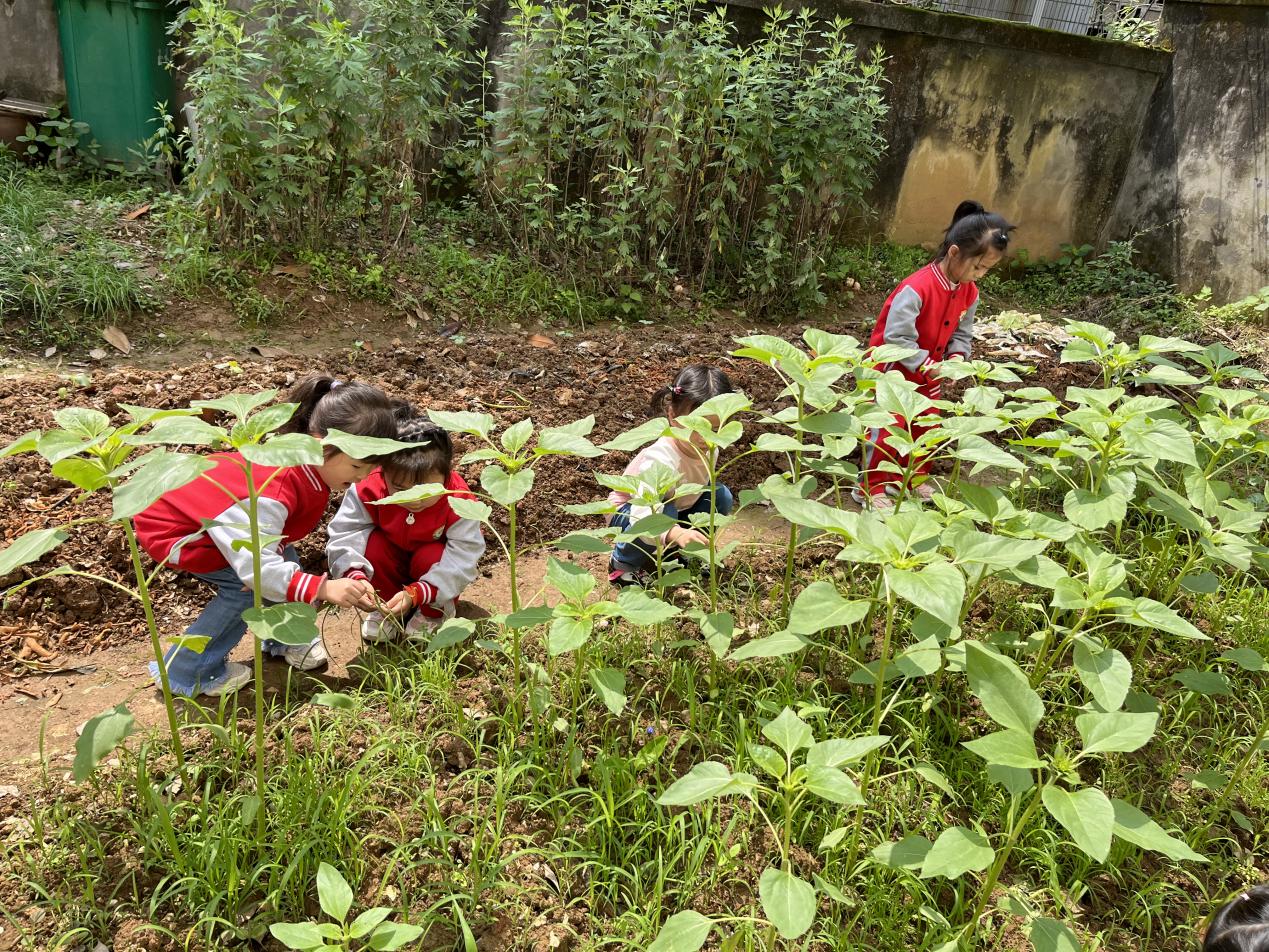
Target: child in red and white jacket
{"x":199,"y":529}
{"x":931,"y":312}
{"x":419,"y":556}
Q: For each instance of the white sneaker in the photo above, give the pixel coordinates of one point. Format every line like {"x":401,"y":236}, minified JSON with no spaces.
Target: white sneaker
{"x":305,"y":657}
{"x":237,"y":675}
{"x":376,"y":628}
{"x":878,"y":502}
{"x":420,"y":627}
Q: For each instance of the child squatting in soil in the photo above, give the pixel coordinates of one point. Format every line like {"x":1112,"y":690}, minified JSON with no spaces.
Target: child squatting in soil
{"x":633,"y":561}
{"x":419,"y":556}
{"x":292,"y":501}
{"x":1242,"y":924}
{"x":931,"y":312}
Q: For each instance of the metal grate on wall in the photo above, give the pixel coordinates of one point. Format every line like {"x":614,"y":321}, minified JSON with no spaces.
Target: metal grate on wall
{"x":1118,"y":19}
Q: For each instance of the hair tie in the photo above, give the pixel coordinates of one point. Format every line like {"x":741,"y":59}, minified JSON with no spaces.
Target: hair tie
{"x":677,"y":391}
{"x":334,"y":384}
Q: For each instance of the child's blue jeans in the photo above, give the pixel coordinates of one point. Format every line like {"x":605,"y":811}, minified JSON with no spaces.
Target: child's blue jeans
{"x":189,"y":672}
{"x":641,"y":554}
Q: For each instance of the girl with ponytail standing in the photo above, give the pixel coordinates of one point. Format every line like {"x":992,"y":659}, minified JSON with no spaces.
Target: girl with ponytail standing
{"x":932,"y":313}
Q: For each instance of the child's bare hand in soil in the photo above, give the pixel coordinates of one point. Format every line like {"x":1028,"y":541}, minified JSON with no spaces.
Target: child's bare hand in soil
{"x":682,"y":537}
{"x":348,"y":593}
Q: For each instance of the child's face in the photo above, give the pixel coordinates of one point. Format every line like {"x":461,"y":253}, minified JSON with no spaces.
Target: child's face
{"x":961,"y":268}
{"x":340,"y":471}
{"x":395,"y":484}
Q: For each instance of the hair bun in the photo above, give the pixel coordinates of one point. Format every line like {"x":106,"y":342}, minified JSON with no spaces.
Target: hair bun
{"x":968,"y":207}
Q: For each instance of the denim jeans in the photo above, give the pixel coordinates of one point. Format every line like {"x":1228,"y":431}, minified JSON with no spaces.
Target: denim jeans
{"x":190,"y":672}
{"x":641,"y":554}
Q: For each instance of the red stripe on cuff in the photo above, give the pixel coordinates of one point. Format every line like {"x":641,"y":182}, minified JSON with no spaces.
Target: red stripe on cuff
{"x":303,"y":587}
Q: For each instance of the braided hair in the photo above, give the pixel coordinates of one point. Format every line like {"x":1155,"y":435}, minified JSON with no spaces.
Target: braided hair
{"x":413,"y":466}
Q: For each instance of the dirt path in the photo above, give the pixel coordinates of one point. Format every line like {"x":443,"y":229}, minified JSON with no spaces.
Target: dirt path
{"x":56,"y":705}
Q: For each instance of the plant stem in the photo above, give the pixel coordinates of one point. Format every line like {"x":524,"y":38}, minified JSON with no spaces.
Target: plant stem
{"x":156,"y":645}
{"x":993,"y":875}
{"x":257,"y":600}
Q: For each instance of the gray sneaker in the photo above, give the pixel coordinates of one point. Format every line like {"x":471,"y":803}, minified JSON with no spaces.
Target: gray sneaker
{"x":237,"y":675}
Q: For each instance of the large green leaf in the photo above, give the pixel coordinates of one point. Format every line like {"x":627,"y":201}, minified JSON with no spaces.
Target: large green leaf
{"x":570,"y":579}
{"x":1008,"y":748}
{"x":477,"y":424}
{"x":453,"y":632}
{"x":1004,"y":691}
{"x":416,"y":493}
{"x":26,"y":443}
{"x":83,"y":423}
{"x":610,"y":685}
{"x":772,"y":646}
{"x":568,"y":634}
{"x":956,"y":852}
{"x":159,"y":472}
{"x":1106,"y":674}
{"x":506,"y":488}
{"x":239,"y":405}
{"x":938,"y":589}
{"x":640,"y":608}
{"x":908,"y":853}
{"x":640,"y":436}
{"x":472,"y":509}
{"x":1147,"y":613}
{"x":181,"y":431}
{"x":787,"y":902}
{"x":788,"y":732}
{"x":393,"y":935}
{"x":333,"y":892}
{"x":832,"y":785}
{"x":683,"y":932}
{"x":834,"y":753}
{"x":1138,"y":829}
{"x":30,"y":547}
{"x":303,"y":936}
{"x":100,"y":736}
{"x":1086,"y":814}
{"x":285,"y":449}
{"x":288,"y":623}
{"x":1117,"y":731}
{"x":819,"y":606}
{"x":1093,"y":511}
{"x":1049,"y":935}
{"x":86,"y":474}
{"x":706,"y":781}
{"x":517,"y":435}
{"x":567,"y":442}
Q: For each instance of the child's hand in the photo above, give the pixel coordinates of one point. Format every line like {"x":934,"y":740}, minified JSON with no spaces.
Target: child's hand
{"x":399,"y":604}
{"x":348,"y":593}
{"x":683,"y":536}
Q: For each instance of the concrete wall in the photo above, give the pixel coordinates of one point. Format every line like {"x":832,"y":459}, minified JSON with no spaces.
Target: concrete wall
{"x":1199,"y":182}
{"x":1037,"y":125}
{"x":30,"y":56}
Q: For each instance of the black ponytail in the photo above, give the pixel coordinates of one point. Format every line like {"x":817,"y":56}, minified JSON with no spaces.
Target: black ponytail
{"x":974,"y":230}
{"x":1242,"y":924}
{"x":410,"y":467}
{"x":326,"y":404}
{"x":691,"y":387}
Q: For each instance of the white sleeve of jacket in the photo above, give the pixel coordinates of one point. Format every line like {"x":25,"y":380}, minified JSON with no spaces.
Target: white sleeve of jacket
{"x":647,"y":458}
{"x":464,"y":545}
{"x":962,"y":339}
{"x":901,"y":326}
{"x":280,"y":580}
{"x":349,"y":534}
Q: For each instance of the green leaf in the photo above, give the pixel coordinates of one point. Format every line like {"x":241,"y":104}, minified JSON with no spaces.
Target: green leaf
{"x":584,"y":541}
{"x":1249,"y":659}
{"x":834,"y":753}
{"x":706,"y":781}
{"x":1133,"y":826}
{"x":416,"y":493}
{"x":956,"y":852}
{"x":298,"y":935}
{"x":530,"y":617}
{"x":1049,"y":935}
{"x":1107,"y":675}
{"x":289,"y":623}
{"x":1004,"y":691}
{"x":909,"y":853}
{"x":769,"y":760}
{"x":1147,"y":613}
{"x":819,"y":606}
{"x":833,"y":785}
{"x":365,"y":923}
{"x":938,"y":589}
{"x":1093,"y":511}
{"x":453,"y":631}
{"x":1008,"y":748}
{"x":181,"y":431}
{"x":336,"y":700}
{"x":788,"y":732}
{"x":477,"y":424}
{"x":833,"y":838}
{"x":717,"y":629}
{"x":1014,"y":779}
{"x":238,"y":405}
{"x":333,"y":892}
{"x":159,"y":472}
{"x":470,"y":509}
{"x":638,"y":437}
{"x":683,"y":932}
{"x":82,"y":422}
{"x":563,"y":441}
{"x":570,"y":579}
{"x":1210,"y":683}
{"x":517,"y":435}
{"x":1086,"y":814}
{"x":610,"y":685}
{"x":30,"y":547}
{"x":787,"y":902}
{"x":364,"y":447}
{"x":773,"y":646}
{"x":640,"y":608}
{"x":100,"y":736}
{"x":506,"y":488}
{"x":393,"y":935}
{"x":284,"y":449}
{"x":1118,"y":731}
{"x":26,"y":443}
{"x":568,"y":634}
{"x":85,"y":474}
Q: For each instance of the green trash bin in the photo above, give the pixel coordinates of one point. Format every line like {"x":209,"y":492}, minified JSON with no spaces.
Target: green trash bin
{"x":114,"y":53}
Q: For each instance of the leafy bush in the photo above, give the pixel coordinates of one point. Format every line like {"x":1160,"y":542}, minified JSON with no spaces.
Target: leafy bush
{"x":639,"y":140}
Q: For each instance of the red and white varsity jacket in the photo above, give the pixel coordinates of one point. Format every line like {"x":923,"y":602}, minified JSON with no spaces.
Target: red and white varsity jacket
{"x":358,"y":517}
{"x":929,"y":313}
{"x":194,"y":528}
